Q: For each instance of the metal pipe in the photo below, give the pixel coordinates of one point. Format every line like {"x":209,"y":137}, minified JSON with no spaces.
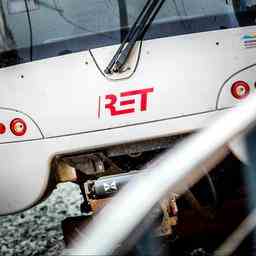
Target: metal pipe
{"x":108,"y":185}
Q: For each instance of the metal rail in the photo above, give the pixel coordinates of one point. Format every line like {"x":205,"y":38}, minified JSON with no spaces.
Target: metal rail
{"x":177,"y":169}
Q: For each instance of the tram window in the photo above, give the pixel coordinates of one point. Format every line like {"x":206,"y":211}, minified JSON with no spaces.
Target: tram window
{"x":77,"y":25}
{"x":56,"y":27}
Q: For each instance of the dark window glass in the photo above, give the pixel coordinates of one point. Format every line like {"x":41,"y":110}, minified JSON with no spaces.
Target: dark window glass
{"x":14,"y":36}
{"x":64,"y":26}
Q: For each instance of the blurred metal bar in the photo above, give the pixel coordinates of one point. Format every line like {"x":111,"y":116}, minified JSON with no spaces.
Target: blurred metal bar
{"x":234,"y":240}
{"x":175,"y":170}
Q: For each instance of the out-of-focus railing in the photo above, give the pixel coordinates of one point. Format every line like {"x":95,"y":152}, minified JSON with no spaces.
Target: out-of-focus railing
{"x":175,"y":170}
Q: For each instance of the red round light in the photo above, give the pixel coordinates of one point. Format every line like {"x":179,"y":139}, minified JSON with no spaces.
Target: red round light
{"x":2,"y":128}
{"x":240,"y":89}
{"x":18,"y":127}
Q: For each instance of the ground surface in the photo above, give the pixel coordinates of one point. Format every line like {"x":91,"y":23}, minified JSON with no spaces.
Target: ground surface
{"x":38,"y":230}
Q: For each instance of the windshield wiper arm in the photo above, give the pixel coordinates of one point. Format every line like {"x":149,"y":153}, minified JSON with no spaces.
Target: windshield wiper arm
{"x":130,"y":34}
{"x":137,"y":31}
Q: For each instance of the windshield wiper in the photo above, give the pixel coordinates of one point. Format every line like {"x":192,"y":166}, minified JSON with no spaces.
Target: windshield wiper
{"x":136,"y":32}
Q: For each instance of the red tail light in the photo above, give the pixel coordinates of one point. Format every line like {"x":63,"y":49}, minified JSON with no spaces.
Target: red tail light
{"x":18,"y":127}
{"x":240,"y":90}
{"x":2,"y":128}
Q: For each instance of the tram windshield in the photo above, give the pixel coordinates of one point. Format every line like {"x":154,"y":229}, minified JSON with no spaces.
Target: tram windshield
{"x":37,"y":29}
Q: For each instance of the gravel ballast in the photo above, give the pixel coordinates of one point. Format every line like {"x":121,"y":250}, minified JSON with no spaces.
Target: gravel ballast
{"x":38,"y":231}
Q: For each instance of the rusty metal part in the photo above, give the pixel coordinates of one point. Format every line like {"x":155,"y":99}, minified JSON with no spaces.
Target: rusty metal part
{"x":97,"y":205}
{"x":76,"y":169}
{"x":88,"y":164}
{"x":73,"y":168}
{"x":65,"y":172}
{"x":94,"y":164}
{"x":170,"y":215}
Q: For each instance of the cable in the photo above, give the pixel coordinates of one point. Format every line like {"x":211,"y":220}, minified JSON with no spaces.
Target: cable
{"x":30,"y":30}
{"x":212,"y":187}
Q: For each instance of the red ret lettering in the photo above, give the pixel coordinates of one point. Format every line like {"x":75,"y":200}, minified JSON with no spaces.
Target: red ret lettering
{"x":120,"y":105}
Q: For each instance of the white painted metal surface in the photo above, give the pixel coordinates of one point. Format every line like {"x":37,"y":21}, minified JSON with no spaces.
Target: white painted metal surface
{"x":179,"y":85}
{"x":186,"y":73}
